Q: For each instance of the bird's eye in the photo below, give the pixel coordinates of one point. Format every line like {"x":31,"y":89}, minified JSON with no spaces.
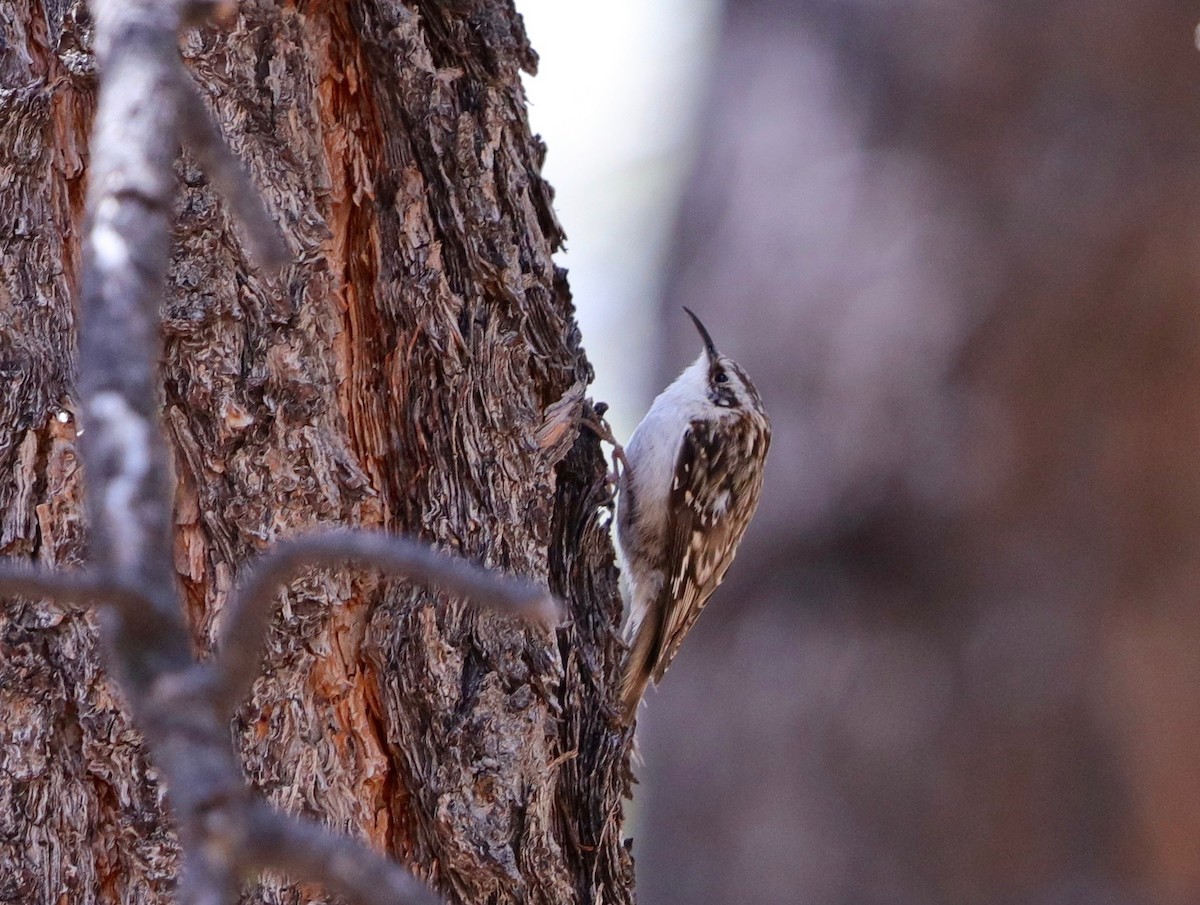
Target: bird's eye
{"x":721,"y":377}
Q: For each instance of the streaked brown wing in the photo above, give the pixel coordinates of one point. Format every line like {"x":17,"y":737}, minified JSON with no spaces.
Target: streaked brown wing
{"x":718,"y":480}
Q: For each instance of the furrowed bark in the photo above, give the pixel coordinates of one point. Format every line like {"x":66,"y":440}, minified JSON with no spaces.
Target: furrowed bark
{"x":408,"y":372}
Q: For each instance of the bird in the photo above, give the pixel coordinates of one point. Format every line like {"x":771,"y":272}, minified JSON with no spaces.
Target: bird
{"x":691,"y":483}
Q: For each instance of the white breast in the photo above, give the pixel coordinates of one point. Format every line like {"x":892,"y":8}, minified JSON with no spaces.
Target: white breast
{"x":654,"y":447}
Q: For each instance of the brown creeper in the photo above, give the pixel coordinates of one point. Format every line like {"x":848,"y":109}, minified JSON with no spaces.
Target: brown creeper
{"x":692,"y":480}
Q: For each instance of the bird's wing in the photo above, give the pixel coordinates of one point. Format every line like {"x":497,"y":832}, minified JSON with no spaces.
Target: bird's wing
{"x":716,"y":486}
{"x":712,"y":498}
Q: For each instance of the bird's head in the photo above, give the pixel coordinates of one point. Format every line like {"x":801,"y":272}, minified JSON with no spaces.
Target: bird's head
{"x":726,"y":384}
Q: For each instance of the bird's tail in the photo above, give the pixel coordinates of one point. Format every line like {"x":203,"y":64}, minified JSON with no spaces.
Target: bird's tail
{"x":639,"y":667}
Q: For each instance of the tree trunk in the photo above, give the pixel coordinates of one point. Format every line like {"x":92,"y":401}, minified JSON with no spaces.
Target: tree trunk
{"x":416,"y":369}
{"x":955,"y":662}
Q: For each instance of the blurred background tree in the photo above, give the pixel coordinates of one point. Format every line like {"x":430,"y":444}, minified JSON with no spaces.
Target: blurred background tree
{"x":957,"y":660}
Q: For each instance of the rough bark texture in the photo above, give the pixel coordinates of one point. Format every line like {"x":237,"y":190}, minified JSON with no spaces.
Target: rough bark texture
{"x":417,"y":369}
{"x":956,"y":660}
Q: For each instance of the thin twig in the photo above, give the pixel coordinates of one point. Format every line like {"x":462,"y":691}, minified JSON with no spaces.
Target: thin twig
{"x":248,"y":612}
{"x":201,"y":134}
{"x":206,"y":879}
{"x":80,"y":589}
{"x":308,"y":852}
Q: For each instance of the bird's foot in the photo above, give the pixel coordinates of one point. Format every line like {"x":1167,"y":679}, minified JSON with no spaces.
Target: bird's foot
{"x":599,"y":426}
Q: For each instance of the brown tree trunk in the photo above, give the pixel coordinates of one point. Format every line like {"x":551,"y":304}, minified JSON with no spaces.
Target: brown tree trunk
{"x":416,"y":369}
{"x":956,"y":659}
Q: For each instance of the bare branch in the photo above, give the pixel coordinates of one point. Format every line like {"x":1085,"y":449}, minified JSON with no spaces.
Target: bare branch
{"x":130,"y":187}
{"x":200,"y":133}
{"x":248,"y":612}
{"x":308,"y":852}
{"x":206,"y":879}
{"x":79,"y":589}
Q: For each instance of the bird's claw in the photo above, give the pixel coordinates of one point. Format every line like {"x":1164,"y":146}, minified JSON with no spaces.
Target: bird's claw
{"x":599,"y":426}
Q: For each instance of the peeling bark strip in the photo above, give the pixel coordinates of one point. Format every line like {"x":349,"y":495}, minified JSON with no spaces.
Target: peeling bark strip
{"x":402,"y":373}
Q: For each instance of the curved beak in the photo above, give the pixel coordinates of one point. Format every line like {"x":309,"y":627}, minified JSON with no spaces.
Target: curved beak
{"x":708,"y":343}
